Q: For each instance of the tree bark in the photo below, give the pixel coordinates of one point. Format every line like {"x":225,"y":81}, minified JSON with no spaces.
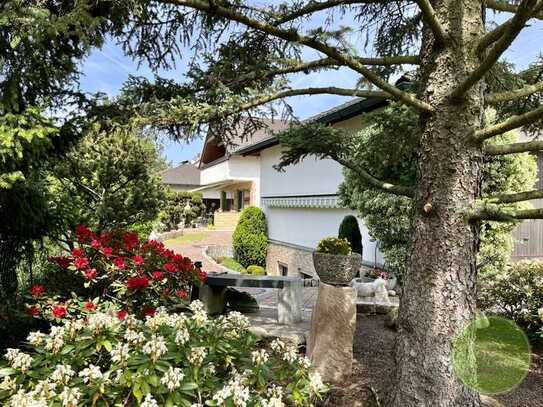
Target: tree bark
{"x":440,"y":286}
{"x":10,"y":255}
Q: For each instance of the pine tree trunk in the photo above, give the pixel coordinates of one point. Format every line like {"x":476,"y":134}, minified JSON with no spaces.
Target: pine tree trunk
{"x":440,"y":286}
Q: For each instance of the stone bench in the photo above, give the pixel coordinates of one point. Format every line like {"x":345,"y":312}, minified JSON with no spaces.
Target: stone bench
{"x":289,"y":297}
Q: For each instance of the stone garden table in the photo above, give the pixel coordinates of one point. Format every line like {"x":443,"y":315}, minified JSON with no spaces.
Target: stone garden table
{"x":290,"y":296}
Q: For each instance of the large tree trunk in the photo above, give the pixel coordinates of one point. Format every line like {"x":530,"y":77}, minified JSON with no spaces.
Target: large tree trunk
{"x":439,"y":293}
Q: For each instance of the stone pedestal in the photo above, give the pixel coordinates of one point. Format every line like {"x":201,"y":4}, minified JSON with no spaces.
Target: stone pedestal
{"x":333,"y":325}
{"x":290,"y":303}
{"x":214,"y":299}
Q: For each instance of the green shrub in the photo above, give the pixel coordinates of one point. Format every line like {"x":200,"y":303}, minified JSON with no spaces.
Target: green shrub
{"x":255,"y":270}
{"x":334,"y":245}
{"x":170,"y":359}
{"x":250,"y":239}
{"x":232,"y":264}
{"x":181,"y":206}
{"x":516,"y":294}
{"x":348,"y":229}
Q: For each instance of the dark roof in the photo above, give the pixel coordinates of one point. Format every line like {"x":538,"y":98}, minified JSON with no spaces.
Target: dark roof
{"x":184,"y":174}
{"x":270,"y":127}
{"x":215,"y":150}
{"x":337,"y":114}
{"x":347,"y":110}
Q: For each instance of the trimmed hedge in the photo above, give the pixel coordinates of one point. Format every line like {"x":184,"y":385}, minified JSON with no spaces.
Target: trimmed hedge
{"x":256,"y":270}
{"x":348,"y":229}
{"x":250,"y":239}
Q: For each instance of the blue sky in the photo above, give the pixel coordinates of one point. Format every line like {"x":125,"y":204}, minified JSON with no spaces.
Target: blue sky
{"x":106,"y":69}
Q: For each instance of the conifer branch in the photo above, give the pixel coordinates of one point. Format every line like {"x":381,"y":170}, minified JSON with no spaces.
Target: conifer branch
{"x":377,"y":183}
{"x":293,"y":36}
{"x":517,"y":197}
{"x":312,"y":91}
{"x":492,"y":36}
{"x":499,"y":97}
{"x":497,"y":214}
{"x":314,"y":7}
{"x":514,"y":122}
{"x":524,"y":12}
{"x":514,"y":148}
{"x":498,"y":5}
{"x":430,"y":18}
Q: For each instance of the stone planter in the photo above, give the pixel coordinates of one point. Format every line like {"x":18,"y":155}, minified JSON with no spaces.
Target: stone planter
{"x":336,"y":269}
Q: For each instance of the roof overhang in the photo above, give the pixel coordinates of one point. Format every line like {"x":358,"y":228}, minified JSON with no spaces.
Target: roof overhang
{"x":219,"y":184}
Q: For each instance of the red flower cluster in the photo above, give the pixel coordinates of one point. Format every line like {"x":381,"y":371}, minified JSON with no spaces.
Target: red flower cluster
{"x":131,"y":241}
{"x":137,"y":283}
{"x":151,"y":274}
{"x":90,"y":306}
{"x":121,"y":315}
{"x":37,"y":290}
{"x":90,"y":274}
{"x":119,"y":263}
{"x":59,"y":311}
{"x":81,"y":263}
{"x":61,"y":261}
{"x":33,"y":310}
{"x":138,"y":260}
{"x":84,"y":234}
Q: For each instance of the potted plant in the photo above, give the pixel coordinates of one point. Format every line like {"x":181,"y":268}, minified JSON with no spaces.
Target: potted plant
{"x":334,"y":261}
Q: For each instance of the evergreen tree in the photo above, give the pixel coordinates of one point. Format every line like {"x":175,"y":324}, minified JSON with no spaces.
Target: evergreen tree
{"x":348,"y":229}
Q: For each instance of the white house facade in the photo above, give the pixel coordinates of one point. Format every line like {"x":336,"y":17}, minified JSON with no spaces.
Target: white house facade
{"x":301,"y":203}
{"x":302,"y":207}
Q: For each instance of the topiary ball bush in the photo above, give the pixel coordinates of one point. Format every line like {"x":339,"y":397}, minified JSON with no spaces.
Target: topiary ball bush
{"x":255,"y":270}
{"x":334,"y":245}
{"x":250,"y":239}
{"x":348,"y":229}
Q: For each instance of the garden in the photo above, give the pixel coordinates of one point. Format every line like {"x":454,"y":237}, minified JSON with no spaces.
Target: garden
{"x":120,"y":328}
{"x":443,"y":167}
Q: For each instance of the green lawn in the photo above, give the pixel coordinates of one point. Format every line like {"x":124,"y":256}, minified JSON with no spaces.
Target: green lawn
{"x":231,"y":264}
{"x":187,"y":239}
{"x":501,"y":358}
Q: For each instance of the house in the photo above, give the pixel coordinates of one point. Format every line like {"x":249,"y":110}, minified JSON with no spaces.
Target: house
{"x":528,"y":236}
{"x":185,"y":178}
{"x":231,"y":173}
{"x":301,"y":203}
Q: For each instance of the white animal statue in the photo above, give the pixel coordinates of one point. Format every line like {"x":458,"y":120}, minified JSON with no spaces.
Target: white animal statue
{"x":375,"y":288}
{"x":381,"y":292}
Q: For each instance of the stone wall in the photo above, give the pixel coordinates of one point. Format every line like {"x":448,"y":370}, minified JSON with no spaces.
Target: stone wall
{"x":219,"y":251}
{"x":299,"y":260}
{"x":161,"y":237}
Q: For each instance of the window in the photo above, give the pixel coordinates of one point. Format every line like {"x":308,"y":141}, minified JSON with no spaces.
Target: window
{"x":283,"y":269}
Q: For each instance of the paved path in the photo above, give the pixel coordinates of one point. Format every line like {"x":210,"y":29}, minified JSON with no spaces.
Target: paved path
{"x":194,"y":250}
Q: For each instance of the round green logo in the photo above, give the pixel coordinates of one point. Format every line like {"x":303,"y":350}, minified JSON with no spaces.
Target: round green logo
{"x":491,"y":355}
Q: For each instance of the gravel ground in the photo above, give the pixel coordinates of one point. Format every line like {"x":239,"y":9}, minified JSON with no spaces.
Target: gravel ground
{"x":374,"y":365}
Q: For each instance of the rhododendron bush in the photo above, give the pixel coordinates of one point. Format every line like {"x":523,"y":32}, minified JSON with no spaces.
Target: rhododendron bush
{"x":114,"y":267}
{"x":166,"y":360}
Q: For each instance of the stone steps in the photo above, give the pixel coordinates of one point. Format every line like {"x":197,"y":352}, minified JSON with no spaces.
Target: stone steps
{"x":226,"y":220}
